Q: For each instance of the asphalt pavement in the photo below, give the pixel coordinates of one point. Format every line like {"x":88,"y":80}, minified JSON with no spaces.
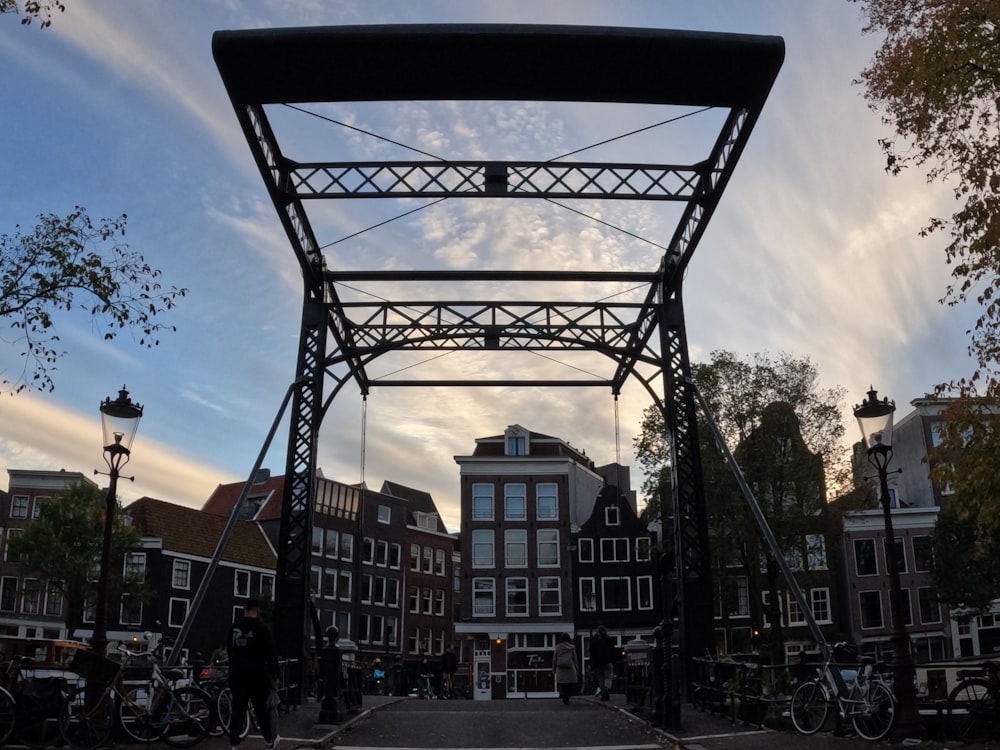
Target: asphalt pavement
{"x":300,"y":728}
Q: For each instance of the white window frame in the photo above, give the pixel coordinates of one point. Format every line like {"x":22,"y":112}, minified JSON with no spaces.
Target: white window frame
{"x":626,"y":587}
{"x":241,"y":583}
{"x":483,"y":549}
{"x":483,"y":502}
{"x":484,"y":590}
{"x":585,"y":549}
{"x":515,"y":501}
{"x":384,"y":514}
{"x":177,"y":612}
{"x":513,"y":587}
{"x":614,"y":549}
{"x":514,"y":540}
{"x":547,"y":501}
{"x":547,"y":549}
{"x":644,"y":585}
{"x":549,"y":587}
{"x":180,"y":574}
{"x":821,"y":597}
{"x":19,"y":505}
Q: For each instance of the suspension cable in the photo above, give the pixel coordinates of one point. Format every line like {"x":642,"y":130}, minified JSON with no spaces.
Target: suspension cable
{"x":364,"y":433}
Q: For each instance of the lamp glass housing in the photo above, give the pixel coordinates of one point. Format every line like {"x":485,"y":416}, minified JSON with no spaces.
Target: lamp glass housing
{"x":119,"y":422}
{"x":875,"y":421}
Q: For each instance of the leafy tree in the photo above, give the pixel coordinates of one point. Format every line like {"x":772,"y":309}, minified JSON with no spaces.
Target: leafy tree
{"x":41,"y":10}
{"x":936,"y":82}
{"x":60,"y":265}
{"x":967,"y":535}
{"x":62,"y":547}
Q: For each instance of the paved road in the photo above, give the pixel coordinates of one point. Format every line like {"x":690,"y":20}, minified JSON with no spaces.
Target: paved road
{"x":537,"y":723}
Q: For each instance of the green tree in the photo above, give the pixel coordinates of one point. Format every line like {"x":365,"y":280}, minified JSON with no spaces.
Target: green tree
{"x":62,"y":547}
{"x":936,"y":81}
{"x":68,"y":263}
{"x":967,"y":535}
{"x":29,"y":10}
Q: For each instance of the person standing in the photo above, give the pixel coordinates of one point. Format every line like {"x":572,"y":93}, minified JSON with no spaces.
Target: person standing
{"x":603,"y":653}
{"x":253,"y":674}
{"x":565,"y":667}
{"x":449,"y":663}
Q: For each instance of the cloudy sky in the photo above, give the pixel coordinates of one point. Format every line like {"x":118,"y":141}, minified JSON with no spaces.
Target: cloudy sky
{"x":119,"y":107}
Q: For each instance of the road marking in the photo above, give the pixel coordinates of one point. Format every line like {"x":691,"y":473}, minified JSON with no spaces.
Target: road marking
{"x":721,"y":736}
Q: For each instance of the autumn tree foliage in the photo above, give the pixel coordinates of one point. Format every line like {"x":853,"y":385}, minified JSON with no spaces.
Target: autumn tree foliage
{"x":936,"y":81}
{"x":73,"y":263}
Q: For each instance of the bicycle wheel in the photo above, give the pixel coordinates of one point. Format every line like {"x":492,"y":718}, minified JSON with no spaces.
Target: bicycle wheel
{"x":873,"y":717}
{"x":87,"y":718}
{"x":190,"y":717}
{"x":809,"y":707}
{"x":972,"y":708}
{"x":135,"y":714}
{"x":7,"y":713}
{"x":224,"y":708}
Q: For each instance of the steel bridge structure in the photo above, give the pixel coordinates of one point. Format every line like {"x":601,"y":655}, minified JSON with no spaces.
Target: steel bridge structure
{"x":642,"y":338}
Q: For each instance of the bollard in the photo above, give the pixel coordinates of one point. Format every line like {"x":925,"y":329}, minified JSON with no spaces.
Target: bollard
{"x":329,"y":667}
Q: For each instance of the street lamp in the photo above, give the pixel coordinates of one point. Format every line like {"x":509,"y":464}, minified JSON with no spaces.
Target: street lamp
{"x":875,"y":420}
{"x":119,"y":421}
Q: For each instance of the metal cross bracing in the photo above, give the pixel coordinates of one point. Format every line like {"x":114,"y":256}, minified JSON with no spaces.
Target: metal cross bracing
{"x":351,"y":318}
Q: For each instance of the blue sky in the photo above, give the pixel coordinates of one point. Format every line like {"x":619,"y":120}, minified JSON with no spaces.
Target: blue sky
{"x":119,"y":107}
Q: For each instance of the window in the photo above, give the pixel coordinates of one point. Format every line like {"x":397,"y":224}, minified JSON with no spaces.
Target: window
{"x":588,"y":595}
{"x":586,"y":549}
{"x":19,"y":506}
{"x":332,"y":543}
{"x":381,"y":554}
{"x":482,"y":502}
{"x":643,"y":549}
{"x":428,"y":555}
{"x":392,"y":592}
{"x":923,"y":554}
{"x":31,"y":596}
{"x":907,"y":606}
{"x":865,"y":561}
{"x":548,"y":548}
{"x":178,"y":612}
{"x":7,"y":554}
{"x":329,"y":584}
{"x":135,"y":565}
{"x":439,"y":602}
{"x":611,"y":516}
{"x":644,"y":585}
{"x":54,"y":599}
{"x":795,"y":615}
{"x":36,"y":510}
{"x":317,"y":541}
{"x":368,"y":551}
{"x":515,"y":548}
{"x":515,"y":504}
{"x":439,"y":564}
{"x":378,"y":590}
{"x":346,"y":548}
{"x":315,"y":577}
{"x":816,"y":551}
{"x":414,"y":597}
{"x":395,"y":555}
{"x":344,"y":585}
{"x":181,"y":577}
{"x":384,"y":514}
{"x":131,"y":610}
{"x":366,"y":588}
{"x":483,"y":597}
{"x":517,"y":597}
{"x":415,"y":558}
{"x":736,"y":596}
{"x":546,"y":502}
{"x":267,"y":585}
{"x":482,"y":548}
{"x":871,"y":609}
{"x":820,"y":602}
{"x":899,"y":551}
{"x":241,"y":583}
{"x":930,"y":609}
{"x":615,"y":594}
{"x":549,"y":595}
{"x":614,"y":550}
{"x":517,"y":445}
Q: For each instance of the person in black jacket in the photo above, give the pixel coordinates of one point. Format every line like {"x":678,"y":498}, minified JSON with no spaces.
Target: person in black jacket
{"x":253,"y":673}
{"x":603,"y":654}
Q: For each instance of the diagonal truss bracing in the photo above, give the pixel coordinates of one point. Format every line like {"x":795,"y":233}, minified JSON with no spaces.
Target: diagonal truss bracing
{"x":343,"y":333}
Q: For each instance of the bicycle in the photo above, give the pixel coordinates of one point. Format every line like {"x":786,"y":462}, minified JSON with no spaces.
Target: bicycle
{"x":972,"y":706}
{"x":862,"y":696}
{"x":153,"y":710}
{"x":33,"y":718}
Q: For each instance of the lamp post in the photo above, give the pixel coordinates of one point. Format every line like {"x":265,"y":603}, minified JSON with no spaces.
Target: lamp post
{"x":119,"y":421}
{"x":875,"y":420}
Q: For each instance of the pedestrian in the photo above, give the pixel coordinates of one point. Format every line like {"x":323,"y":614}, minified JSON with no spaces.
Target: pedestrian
{"x":449,"y":663}
{"x":565,"y":668}
{"x":603,"y":655}
{"x":253,"y":674}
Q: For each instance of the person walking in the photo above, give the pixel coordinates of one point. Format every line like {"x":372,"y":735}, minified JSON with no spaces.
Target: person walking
{"x":449,"y":663}
{"x":565,"y":667}
{"x":603,"y":655}
{"x":253,"y":674}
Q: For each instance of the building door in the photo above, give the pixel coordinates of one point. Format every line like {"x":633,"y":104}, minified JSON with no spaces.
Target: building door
{"x":481,"y":691}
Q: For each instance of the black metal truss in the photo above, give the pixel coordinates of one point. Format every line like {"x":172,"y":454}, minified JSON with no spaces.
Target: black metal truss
{"x":264,"y":67}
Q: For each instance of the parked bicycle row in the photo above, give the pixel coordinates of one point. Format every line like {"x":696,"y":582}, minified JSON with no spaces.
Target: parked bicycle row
{"x":98,"y":699}
{"x":844,"y":692}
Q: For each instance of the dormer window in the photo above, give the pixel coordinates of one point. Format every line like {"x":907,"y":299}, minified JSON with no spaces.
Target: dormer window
{"x":516,"y":441}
